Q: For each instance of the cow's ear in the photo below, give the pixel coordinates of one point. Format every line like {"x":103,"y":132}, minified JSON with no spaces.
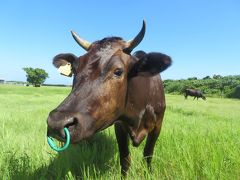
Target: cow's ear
{"x":139,"y":54}
{"x":149,"y":64}
{"x":64,"y":63}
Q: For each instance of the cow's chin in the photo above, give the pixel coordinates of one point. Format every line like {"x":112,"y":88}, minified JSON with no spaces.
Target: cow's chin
{"x":78,"y":132}
{"x":78,"y":135}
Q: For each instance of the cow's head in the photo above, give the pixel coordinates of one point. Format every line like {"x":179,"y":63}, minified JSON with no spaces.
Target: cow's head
{"x":100,"y":84}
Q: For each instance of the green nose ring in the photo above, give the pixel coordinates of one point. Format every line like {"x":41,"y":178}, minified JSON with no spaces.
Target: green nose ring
{"x":54,"y":146}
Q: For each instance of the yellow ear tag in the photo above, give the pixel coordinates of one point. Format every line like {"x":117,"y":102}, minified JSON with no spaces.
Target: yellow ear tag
{"x":65,"y":70}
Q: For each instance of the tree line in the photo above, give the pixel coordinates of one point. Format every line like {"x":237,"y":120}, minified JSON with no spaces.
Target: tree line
{"x":215,"y":86}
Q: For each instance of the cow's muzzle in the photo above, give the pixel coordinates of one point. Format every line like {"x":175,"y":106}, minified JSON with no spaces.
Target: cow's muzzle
{"x":57,"y":122}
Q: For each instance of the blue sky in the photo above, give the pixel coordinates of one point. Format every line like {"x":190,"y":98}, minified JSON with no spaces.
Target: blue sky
{"x":202,"y":37}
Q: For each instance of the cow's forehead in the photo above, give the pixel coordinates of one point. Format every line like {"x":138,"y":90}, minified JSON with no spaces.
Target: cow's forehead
{"x":104,"y":52}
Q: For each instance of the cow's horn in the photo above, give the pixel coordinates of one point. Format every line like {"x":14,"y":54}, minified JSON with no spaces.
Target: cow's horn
{"x":83,"y":43}
{"x":133,"y":43}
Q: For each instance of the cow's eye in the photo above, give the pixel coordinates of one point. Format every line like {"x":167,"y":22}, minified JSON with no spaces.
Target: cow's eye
{"x":118,"y":72}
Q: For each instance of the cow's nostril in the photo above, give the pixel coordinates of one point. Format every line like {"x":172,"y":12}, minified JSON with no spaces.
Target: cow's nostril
{"x":71,"y":122}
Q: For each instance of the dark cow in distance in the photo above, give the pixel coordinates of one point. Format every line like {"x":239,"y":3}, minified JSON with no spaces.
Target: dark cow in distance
{"x":112,"y":86}
{"x":195,"y":93}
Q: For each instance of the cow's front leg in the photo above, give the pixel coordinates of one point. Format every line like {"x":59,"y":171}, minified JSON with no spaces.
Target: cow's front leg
{"x":150,"y":144}
{"x":123,"y":141}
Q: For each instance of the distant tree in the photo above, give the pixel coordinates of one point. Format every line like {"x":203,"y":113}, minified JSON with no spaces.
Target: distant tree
{"x":207,"y":77}
{"x":192,"y":78}
{"x":215,"y":76}
{"x":36,"y":76}
{"x":235,"y":93}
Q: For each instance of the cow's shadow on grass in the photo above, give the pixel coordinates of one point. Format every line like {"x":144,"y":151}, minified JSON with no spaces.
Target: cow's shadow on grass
{"x":92,"y":157}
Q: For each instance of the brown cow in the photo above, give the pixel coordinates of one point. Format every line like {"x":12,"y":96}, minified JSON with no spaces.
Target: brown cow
{"x":195,"y":93}
{"x":111,"y":86}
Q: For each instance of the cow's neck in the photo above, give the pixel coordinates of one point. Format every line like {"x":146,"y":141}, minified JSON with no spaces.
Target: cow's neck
{"x":139,"y":115}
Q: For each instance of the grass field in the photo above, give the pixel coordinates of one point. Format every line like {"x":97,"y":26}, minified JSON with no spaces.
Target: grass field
{"x":199,"y":140}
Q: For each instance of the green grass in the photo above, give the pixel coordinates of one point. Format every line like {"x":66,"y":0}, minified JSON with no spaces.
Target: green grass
{"x":199,"y":140}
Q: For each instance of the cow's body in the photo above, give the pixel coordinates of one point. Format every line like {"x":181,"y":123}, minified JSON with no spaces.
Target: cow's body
{"x":143,"y":115}
{"x":195,"y":93}
{"x":111,"y":86}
